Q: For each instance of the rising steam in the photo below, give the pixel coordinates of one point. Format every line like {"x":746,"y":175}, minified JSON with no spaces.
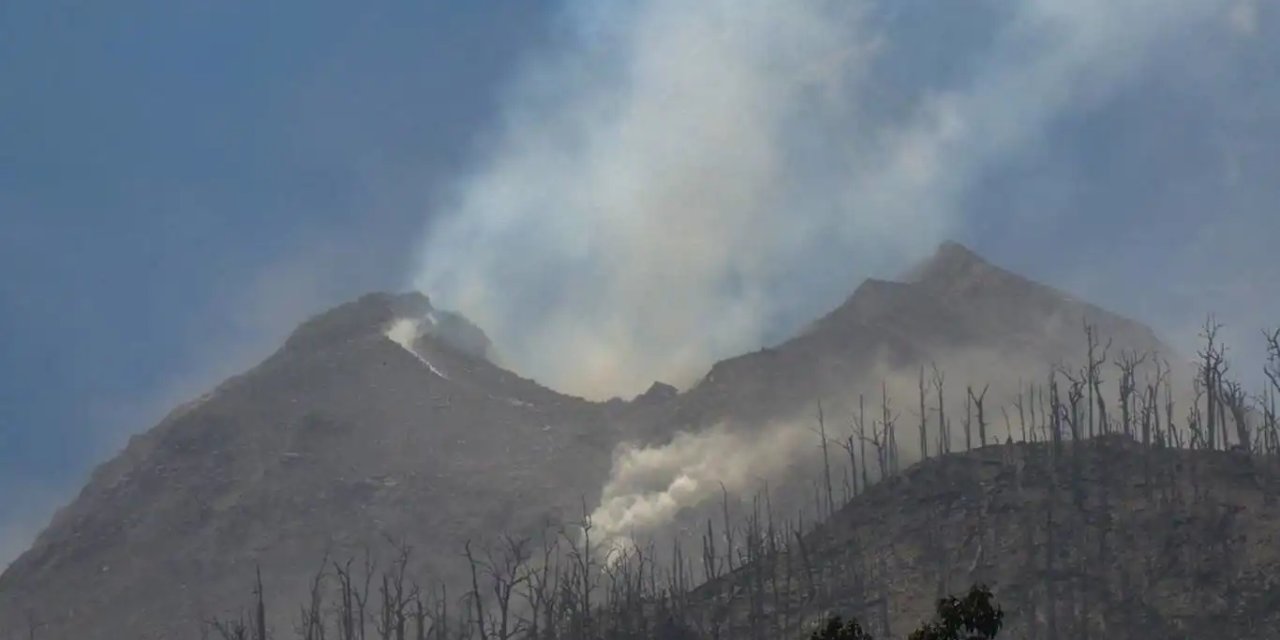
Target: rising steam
{"x":650,"y":485}
{"x":662,"y":180}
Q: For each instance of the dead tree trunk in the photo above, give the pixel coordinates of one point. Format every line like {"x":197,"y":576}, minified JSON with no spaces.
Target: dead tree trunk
{"x":810,"y":588}
{"x":1211,"y":363}
{"x":1128,"y":365}
{"x":848,"y":445}
{"x":260,"y":608}
{"x":1022,"y":416}
{"x":890,"y":464}
{"x":860,"y":424}
{"x":826,"y":460}
{"x":924,"y":418}
{"x":477,"y":602}
{"x":968,"y":418}
{"x":944,"y":438}
{"x":982,"y":416}
{"x":1094,"y":379}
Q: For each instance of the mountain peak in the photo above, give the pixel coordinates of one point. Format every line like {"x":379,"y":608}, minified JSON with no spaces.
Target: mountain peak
{"x":367,"y":315}
{"x":658,"y":392}
{"x":308,"y":453}
{"x":948,"y":260}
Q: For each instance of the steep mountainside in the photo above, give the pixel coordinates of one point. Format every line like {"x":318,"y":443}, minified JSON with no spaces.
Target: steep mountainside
{"x":338,"y":439}
{"x":345,"y":436}
{"x":980,"y":323}
{"x":1106,"y":540}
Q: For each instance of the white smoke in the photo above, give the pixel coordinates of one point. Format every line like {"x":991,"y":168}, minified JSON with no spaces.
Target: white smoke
{"x":663,"y":179}
{"x":404,"y":332}
{"x":650,"y":485}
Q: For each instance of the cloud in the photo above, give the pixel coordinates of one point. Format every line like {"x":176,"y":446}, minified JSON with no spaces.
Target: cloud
{"x":1243,"y":17}
{"x":662,"y":181}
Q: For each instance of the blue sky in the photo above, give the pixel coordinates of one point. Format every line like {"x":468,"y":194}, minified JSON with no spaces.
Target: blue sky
{"x":182,"y":182}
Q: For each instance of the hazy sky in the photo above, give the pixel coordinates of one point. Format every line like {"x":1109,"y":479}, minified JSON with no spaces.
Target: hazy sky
{"x":182,"y":182}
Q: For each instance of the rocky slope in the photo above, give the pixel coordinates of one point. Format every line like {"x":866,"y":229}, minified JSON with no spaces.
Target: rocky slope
{"x":980,"y":323}
{"x":340,"y":438}
{"x":1139,"y":543}
{"x":345,"y":437}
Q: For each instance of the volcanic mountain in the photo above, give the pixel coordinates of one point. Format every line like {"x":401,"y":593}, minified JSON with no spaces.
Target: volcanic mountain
{"x":383,"y":418}
{"x":976,"y":321}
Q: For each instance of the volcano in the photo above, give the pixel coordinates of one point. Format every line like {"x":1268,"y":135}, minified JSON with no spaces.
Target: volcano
{"x":386,"y":419}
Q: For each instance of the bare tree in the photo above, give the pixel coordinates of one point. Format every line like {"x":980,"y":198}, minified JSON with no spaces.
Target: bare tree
{"x":826,"y":459}
{"x":859,"y":424}
{"x":310,"y":625}
{"x":393,"y":614}
{"x":728,"y":526}
{"x":260,"y":608}
{"x":982,"y":416}
{"x":1272,"y":368}
{"x":1055,"y":418}
{"x":1008,"y":426}
{"x":507,"y":574}
{"x":34,"y":624}
{"x":1022,"y":416}
{"x":1093,"y":377}
{"x":811,"y":588}
{"x":1128,"y":365}
{"x":420,"y":615}
{"x":582,"y":577}
{"x":540,"y":587}
{"x":875,"y":441}
{"x":968,"y":418}
{"x":228,"y":629}
{"x":1212,"y":368}
{"x":351,"y":597}
{"x":889,"y":421}
{"x":1271,"y":393}
{"x":848,"y":444}
{"x":440,"y":612}
{"x":1236,"y":400}
{"x":477,"y":601}
{"x":1175,"y":436}
{"x":344,"y":607}
{"x":710,"y":561}
{"x":924,"y":417}
{"x":944,"y":438}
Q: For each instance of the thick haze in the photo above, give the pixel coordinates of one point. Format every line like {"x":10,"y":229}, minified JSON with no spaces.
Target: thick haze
{"x":661,"y":182}
{"x":615,"y":194}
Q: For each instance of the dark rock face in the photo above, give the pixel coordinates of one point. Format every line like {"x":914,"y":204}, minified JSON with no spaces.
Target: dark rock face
{"x":461,"y":334}
{"x":344,"y":437}
{"x":658,"y":392}
{"x":356,"y":320}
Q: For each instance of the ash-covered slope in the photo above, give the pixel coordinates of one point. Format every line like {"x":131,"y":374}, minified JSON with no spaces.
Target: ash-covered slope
{"x":340,"y":438}
{"x":1109,"y":539}
{"x":980,"y":323}
{"x":345,"y":436}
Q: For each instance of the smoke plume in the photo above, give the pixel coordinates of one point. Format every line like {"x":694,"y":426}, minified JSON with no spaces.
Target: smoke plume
{"x":650,"y":485}
{"x":665,"y":176}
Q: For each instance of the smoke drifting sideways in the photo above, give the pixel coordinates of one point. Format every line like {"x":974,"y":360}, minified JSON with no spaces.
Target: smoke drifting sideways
{"x":648,"y":486}
{"x":673,"y":181}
